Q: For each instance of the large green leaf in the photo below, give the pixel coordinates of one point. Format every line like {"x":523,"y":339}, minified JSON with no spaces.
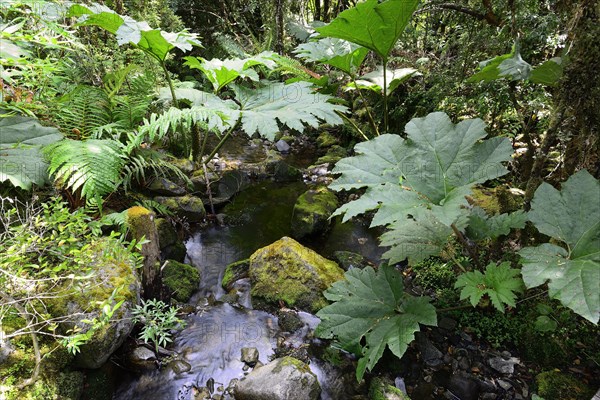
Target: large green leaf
{"x":127,"y":30}
{"x":338,"y":53}
{"x":21,"y":162}
{"x":548,"y":73}
{"x":374,"y":25}
{"x":418,"y":185}
{"x":220,"y":73}
{"x":372,"y":305}
{"x":510,"y":66}
{"x":374,"y":80}
{"x":294,"y":105}
{"x":415,"y":239}
{"x":571,"y":216}
{"x":482,"y":226}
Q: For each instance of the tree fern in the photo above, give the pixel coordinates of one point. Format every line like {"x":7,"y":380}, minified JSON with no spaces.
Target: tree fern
{"x":91,"y":168}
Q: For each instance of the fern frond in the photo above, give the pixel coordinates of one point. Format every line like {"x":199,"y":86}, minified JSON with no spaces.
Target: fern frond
{"x":157,"y":127}
{"x":83,"y":111}
{"x":289,"y":66}
{"x":113,"y":81}
{"x":155,"y":206}
{"x":93,"y":166}
{"x":148,"y":164}
{"x":130,"y":111}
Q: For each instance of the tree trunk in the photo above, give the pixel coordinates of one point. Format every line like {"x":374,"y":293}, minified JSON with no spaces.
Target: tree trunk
{"x":279,"y":17}
{"x":580,"y":89}
{"x":317,"y":10}
{"x":141,"y":225}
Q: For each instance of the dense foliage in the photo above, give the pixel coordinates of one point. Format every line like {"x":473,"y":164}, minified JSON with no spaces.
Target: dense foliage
{"x":472,"y":135}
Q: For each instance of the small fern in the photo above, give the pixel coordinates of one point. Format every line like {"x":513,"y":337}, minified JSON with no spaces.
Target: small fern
{"x":83,"y":111}
{"x":91,"y":168}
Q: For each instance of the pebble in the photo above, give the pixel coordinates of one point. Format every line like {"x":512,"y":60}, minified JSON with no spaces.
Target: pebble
{"x":504,"y":384}
{"x":504,"y":366}
{"x":249,"y":356}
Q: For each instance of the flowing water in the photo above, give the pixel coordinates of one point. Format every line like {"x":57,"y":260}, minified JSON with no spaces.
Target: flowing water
{"x":214,"y":335}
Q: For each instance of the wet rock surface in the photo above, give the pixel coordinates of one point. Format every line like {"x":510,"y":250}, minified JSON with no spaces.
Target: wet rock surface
{"x":284,"y":378}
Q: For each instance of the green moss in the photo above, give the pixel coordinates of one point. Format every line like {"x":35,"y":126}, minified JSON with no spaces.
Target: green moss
{"x":289,"y":272}
{"x":312,"y":211}
{"x":498,"y":200}
{"x":381,"y":389}
{"x":235,"y":271}
{"x":326,"y":139}
{"x":181,"y":280}
{"x":556,"y":385}
{"x":286,"y":361}
{"x":334,"y":154}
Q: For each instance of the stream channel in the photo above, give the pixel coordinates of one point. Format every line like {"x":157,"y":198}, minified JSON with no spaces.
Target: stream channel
{"x":216,"y":332}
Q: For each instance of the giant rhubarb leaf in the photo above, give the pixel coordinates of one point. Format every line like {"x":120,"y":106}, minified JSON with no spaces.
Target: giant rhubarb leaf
{"x":374,"y":25}
{"x":338,"y":53}
{"x":372,"y":305}
{"x":418,"y":185}
{"x":294,"y":105}
{"x":570,"y":216}
{"x":220,"y":73}
{"x":155,"y":42}
{"x":21,"y":162}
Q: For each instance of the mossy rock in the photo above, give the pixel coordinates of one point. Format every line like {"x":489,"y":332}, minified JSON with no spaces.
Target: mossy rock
{"x":181,"y":280}
{"x":234,"y":272}
{"x":326,"y":139}
{"x":312,"y":211}
{"x":165,"y":187}
{"x":556,"y":385}
{"x":498,"y":200}
{"x":283,"y":172}
{"x":288,"y":272}
{"x":171,"y":247}
{"x":189,"y":207}
{"x":114,"y":268}
{"x":381,"y":389}
{"x":333,"y":155}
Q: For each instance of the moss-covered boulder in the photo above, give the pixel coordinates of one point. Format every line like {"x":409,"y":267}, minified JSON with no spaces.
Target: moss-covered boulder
{"x":114,"y":274}
{"x":165,"y":187}
{"x":234,"y":272}
{"x":312,"y":211}
{"x":189,"y":207}
{"x":171,"y":247}
{"x":288,"y":272}
{"x":381,"y":389}
{"x":556,"y":385}
{"x":180,"y":280}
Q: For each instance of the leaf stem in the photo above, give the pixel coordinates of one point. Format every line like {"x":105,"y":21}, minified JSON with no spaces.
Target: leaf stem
{"x":222,"y":141}
{"x":355,"y":126}
{"x":170,"y":83}
{"x":371,"y":119}
{"x":385,"y":98}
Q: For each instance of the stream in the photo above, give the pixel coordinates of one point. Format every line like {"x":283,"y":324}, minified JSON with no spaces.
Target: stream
{"x":215,"y":333}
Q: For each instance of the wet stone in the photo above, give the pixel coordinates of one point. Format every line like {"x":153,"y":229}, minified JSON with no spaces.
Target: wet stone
{"x":503,"y":366}
{"x":463,"y":387}
{"x":249,"y":355}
